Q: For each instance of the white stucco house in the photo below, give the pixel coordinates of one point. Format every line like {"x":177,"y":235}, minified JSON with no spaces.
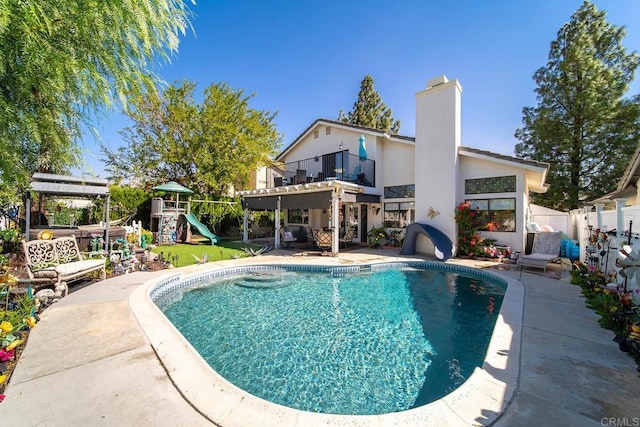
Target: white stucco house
{"x":325,"y":182}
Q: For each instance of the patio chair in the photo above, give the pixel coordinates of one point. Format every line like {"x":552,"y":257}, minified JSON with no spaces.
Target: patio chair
{"x":347,"y":238}
{"x":546,"y":249}
{"x":324,"y":241}
{"x":286,"y":237}
{"x":301,"y":176}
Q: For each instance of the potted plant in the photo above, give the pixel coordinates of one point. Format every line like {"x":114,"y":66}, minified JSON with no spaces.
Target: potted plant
{"x":376,"y":237}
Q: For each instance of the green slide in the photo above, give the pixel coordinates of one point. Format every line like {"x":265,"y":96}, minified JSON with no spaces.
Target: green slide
{"x":202,"y":229}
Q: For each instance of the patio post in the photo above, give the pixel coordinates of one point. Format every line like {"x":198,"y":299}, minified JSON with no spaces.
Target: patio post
{"x":245,"y":225}
{"x":276,"y":241}
{"x":107,"y":246}
{"x":599,"y":207}
{"x":27,"y":215}
{"x":620,"y":203}
{"x":335,"y":214}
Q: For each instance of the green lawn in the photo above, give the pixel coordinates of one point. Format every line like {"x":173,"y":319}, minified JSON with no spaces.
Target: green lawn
{"x":186,"y":252}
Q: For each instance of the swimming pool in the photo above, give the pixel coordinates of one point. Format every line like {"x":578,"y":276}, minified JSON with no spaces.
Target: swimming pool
{"x":481,"y":397}
{"x":361,"y":342}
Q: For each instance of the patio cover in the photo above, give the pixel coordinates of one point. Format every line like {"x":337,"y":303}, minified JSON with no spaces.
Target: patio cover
{"x":64,"y":185}
{"x":314,"y":200}
{"x":303,"y":200}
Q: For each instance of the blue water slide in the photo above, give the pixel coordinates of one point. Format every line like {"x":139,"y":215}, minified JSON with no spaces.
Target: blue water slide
{"x":444,"y":247}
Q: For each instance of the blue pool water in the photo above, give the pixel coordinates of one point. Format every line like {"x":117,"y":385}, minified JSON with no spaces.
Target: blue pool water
{"x":364,"y":343}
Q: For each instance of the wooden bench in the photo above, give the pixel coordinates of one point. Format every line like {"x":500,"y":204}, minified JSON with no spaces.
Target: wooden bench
{"x":58,"y":260}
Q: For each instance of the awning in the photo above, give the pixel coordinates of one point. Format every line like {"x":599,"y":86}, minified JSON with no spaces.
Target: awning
{"x":62,"y":185}
{"x":361,"y":198}
{"x":314,"y":200}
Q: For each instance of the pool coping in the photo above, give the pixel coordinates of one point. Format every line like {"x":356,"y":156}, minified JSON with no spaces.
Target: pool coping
{"x":480,"y":400}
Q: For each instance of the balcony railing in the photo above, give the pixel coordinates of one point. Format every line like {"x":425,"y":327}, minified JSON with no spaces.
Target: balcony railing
{"x":341,"y":166}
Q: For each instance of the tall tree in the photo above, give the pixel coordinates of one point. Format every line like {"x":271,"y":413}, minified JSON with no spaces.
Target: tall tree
{"x":64,"y":61}
{"x":583,"y":126}
{"x":207,"y":147}
{"x":369,"y":110}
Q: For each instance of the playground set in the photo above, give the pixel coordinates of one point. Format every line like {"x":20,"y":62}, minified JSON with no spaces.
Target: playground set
{"x":171,"y":220}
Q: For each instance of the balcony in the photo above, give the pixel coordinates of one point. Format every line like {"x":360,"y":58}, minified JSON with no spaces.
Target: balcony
{"x":333,"y":166}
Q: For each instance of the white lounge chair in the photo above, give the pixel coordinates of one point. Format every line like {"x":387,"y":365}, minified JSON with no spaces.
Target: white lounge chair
{"x":546,"y":249}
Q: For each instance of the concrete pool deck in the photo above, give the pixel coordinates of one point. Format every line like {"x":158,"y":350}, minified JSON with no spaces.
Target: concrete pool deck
{"x":89,"y":362}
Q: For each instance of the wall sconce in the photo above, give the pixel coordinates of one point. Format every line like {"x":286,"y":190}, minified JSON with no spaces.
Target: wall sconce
{"x":341,"y":146}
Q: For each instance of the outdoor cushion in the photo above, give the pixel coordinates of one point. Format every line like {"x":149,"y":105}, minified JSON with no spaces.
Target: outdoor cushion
{"x":43,"y":273}
{"x":547,"y":243}
{"x":539,"y":257}
{"x":78,"y":266}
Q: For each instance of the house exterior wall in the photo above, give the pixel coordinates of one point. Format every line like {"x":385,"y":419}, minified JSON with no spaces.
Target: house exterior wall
{"x":632,"y":201}
{"x":311,"y":146}
{"x":473,"y":168}
{"x":398,"y":166}
{"x":261,"y":179}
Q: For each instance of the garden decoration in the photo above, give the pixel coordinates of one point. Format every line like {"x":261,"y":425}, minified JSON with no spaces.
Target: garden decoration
{"x":629,"y":262}
{"x":614,"y":300}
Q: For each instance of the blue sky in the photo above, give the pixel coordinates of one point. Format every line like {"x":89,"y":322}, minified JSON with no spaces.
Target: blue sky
{"x":306,"y":59}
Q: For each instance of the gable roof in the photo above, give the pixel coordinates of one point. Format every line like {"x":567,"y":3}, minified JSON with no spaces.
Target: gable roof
{"x":343,"y":125}
{"x":626,"y":185}
{"x":516,"y":161}
{"x":536,"y":171}
{"x":632,"y":173}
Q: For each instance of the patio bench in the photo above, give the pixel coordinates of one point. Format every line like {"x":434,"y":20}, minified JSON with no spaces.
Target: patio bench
{"x":58,"y":260}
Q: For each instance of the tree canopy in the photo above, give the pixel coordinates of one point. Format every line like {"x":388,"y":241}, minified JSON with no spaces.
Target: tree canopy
{"x":208,"y":147}
{"x":369,"y":110}
{"x":64,"y":62}
{"x":583,"y":125}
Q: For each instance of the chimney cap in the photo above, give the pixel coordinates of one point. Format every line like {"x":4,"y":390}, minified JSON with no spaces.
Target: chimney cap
{"x":437,"y":81}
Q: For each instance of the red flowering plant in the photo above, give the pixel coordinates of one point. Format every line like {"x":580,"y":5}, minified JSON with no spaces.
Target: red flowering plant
{"x":470,"y":243}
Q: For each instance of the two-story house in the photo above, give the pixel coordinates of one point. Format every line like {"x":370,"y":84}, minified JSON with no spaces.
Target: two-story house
{"x":337,"y":176}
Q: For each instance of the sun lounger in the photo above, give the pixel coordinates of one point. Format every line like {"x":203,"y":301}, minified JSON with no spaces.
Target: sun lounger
{"x":546,"y":249}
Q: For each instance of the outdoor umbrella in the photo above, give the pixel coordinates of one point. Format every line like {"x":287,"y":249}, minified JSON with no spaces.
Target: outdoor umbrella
{"x":173,"y":187}
{"x":362,"y":152}
{"x":363,"y":149}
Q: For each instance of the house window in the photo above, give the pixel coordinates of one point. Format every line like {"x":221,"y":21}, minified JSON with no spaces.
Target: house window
{"x":496,"y":214}
{"x":315,"y":134}
{"x":400,"y":191}
{"x":399,"y":215}
{"x":328,"y":130}
{"x":499,"y":184}
{"x":298,"y":216}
